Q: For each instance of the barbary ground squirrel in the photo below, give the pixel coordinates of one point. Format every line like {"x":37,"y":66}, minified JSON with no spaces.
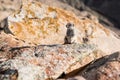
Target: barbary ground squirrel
{"x":70,"y":34}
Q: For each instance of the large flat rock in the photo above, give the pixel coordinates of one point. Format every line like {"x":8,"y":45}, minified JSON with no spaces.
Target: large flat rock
{"x":46,"y":61}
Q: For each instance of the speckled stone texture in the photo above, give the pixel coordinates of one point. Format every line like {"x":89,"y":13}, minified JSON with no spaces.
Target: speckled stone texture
{"x":7,"y":7}
{"x":34,"y":49}
{"x":47,"y":61}
{"x":106,"y":68}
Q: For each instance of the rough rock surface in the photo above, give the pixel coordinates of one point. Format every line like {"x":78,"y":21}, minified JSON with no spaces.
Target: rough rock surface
{"x":37,"y":24}
{"x":108,"y":48}
{"x":46,"y":25}
{"x":43,"y":62}
{"x":106,"y":68}
{"x":8,"y":6}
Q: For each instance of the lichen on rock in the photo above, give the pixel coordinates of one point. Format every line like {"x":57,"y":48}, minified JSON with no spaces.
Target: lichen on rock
{"x":47,"y":60}
{"x":34,"y":49}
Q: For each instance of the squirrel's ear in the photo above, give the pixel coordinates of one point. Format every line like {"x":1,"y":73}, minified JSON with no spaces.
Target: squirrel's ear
{"x":67,"y":25}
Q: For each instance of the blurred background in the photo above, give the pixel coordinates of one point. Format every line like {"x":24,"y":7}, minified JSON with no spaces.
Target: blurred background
{"x":107,"y":12}
{"x":107,"y":8}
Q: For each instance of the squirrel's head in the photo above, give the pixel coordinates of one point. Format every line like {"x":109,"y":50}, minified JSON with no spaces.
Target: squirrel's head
{"x":69,"y":25}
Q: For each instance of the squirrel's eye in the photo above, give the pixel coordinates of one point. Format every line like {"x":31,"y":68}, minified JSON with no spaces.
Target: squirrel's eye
{"x":69,"y":25}
{"x":73,"y":24}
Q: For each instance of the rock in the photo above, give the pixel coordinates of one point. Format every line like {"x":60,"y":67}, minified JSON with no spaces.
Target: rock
{"x":75,"y":78}
{"x":108,"y":48}
{"x":44,"y":62}
{"x":8,"y":74}
{"x":100,"y":11}
{"x":35,"y":51}
{"x":46,"y":25}
{"x":8,"y":7}
{"x":67,"y":7}
{"x":105,"y":68}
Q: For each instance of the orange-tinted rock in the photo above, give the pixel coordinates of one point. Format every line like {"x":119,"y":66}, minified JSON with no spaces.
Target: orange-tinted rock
{"x":37,"y":23}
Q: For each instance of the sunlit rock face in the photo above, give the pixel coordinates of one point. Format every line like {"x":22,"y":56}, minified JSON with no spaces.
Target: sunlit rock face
{"x":34,"y":49}
{"x":36,"y":21}
{"x":36,"y":24}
